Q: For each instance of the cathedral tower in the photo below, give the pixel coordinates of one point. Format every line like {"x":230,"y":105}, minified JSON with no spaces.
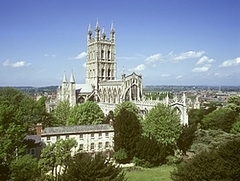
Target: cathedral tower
{"x":101,"y":56}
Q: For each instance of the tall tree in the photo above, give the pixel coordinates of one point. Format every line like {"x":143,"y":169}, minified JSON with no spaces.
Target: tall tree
{"x":185,"y":139}
{"x":18,"y":115}
{"x":127,"y":132}
{"x":84,"y":168}
{"x":61,"y":113}
{"x":163,"y":124}
{"x":85,"y":114}
{"x":128,"y":106}
{"x":55,"y":155}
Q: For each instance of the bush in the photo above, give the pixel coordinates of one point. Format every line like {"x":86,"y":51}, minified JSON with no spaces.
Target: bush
{"x":220,"y":164}
{"x":149,"y":153}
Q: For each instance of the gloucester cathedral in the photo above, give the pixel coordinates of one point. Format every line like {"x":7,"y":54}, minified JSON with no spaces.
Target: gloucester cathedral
{"x":101,"y":84}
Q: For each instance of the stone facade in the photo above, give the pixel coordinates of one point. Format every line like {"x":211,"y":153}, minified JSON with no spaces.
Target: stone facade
{"x":102,"y":85}
{"x":90,"y":138}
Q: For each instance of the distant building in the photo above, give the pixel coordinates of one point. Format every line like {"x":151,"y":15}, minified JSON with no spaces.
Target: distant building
{"x":102,"y":85}
{"x":90,"y":139}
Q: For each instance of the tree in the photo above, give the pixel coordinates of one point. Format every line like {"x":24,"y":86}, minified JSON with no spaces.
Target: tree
{"x":85,"y":114}
{"x":18,"y":116}
{"x":163,"y":124}
{"x":149,"y":152}
{"x":219,"y":164}
{"x":127,"y":132}
{"x":195,"y":116}
{"x":55,"y":155}
{"x":128,"y":106}
{"x":24,"y":168}
{"x":61,"y":113}
{"x":222,"y":118}
{"x":109,"y":117}
{"x":185,"y":139}
{"x":235,"y":127}
{"x":85,"y":168}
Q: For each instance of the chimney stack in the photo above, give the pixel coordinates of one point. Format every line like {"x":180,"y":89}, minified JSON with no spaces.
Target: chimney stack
{"x":39,"y":129}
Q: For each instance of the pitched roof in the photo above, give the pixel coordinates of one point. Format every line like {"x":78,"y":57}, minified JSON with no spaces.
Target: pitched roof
{"x":84,"y":88}
{"x":33,"y":138}
{"x":76,"y":129}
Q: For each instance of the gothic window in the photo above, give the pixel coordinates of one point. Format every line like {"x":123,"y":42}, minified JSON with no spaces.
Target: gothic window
{"x":109,"y":55}
{"x":102,"y":72}
{"x":102,"y":54}
{"x":109,"y":73}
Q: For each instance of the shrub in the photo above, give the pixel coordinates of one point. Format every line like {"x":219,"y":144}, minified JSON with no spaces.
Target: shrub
{"x":220,"y":164}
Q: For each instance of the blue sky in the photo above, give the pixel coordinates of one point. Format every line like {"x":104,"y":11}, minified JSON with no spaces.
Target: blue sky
{"x":170,"y":42}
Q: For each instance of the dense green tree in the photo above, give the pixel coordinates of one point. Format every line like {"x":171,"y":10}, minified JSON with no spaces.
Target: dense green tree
{"x":41,"y":115}
{"x":150,"y":152}
{"x":85,"y":114}
{"x":185,"y":139}
{"x":221,"y":118}
{"x":61,"y":113}
{"x":235,"y":127}
{"x":234,"y":100}
{"x":128,"y":106}
{"x":195,"y":116}
{"x":109,"y":117}
{"x":163,"y":124}
{"x":219,"y":164}
{"x":54,"y":155}
{"x":24,"y":168}
{"x":18,"y":115}
{"x":85,"y":168}
{"x":127,"y":132}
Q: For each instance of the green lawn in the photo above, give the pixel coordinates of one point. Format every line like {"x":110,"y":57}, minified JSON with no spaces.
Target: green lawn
{"x":151,"y":174}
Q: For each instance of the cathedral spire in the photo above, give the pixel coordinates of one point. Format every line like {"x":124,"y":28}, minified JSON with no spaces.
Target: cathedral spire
{"x":112,"y":33}
{"x":72,"y":80}
{"x":64,"y":78}
{"x":112,"y":28}
{"x":89,"y":31}
{"x":103,"y":33}
{"x":97,"y":31}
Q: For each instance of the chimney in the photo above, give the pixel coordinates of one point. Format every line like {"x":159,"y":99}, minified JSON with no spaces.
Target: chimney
{"x":38,"y":129}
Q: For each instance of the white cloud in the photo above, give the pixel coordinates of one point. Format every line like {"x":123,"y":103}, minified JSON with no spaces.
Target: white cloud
{"x":188,"y":55}
{"x":153,"y":58}
{"x":201,"y":69}
{"x":220,"y":75}
{"x":135,"y":57}
{"x":204,"y":59}
{"x":179,"y":77}
{"x":231,"y":62}
{"x":50,"y":55}
{"x":79,"y":56}
{"x":16,"y":64}
{"x":84,"y":64}
{"x":138,"y":68}
{"x":165,"y":75}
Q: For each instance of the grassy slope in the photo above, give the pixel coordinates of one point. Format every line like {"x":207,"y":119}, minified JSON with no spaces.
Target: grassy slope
{"x":154,"y":174}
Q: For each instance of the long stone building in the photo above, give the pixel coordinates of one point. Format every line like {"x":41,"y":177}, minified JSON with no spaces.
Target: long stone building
{"x":102,"y":85}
